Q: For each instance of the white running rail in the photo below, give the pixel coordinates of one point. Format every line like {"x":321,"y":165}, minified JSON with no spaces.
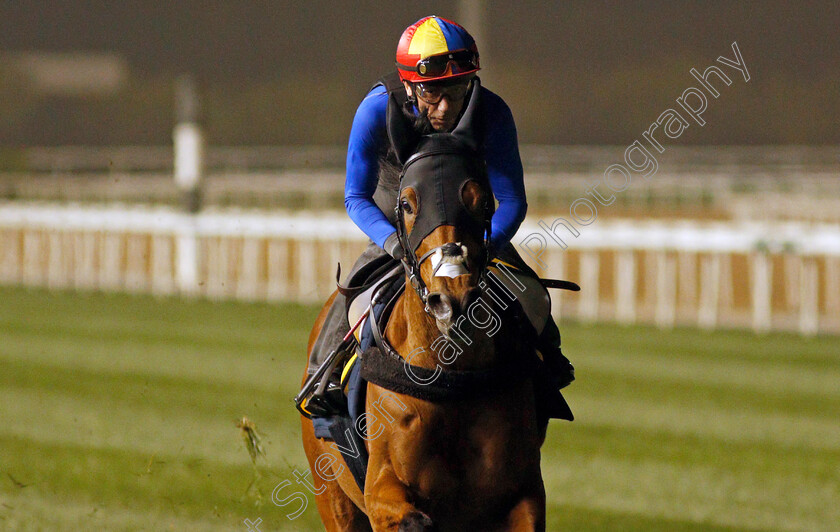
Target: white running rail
{"x":763,"y":276}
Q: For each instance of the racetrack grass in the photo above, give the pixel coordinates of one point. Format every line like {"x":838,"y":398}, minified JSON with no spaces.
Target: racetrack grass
{"x":119,"y":412}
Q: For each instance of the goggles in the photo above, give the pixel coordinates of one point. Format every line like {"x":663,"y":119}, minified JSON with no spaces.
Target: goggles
{"x":436,"y":66}
{"x":432,"y":93}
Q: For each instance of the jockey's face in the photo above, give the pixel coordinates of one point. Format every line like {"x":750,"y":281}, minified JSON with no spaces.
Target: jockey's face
{"x":443,"y":114}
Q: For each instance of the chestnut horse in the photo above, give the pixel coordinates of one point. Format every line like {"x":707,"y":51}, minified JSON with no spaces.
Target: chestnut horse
{"x":450,"y":465}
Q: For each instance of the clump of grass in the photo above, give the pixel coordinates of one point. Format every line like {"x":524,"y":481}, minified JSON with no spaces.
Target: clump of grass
{"x":253,"y":443}
{"x":248,"y":431}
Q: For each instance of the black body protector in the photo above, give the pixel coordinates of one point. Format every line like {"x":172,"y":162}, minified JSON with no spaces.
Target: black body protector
{"x":387,"y":189}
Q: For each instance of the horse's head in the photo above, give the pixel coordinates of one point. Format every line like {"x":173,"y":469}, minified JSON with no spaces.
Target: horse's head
{"x":443,"y":212}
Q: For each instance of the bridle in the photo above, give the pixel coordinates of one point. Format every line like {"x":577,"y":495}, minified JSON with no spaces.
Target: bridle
{"x":410,"y":262}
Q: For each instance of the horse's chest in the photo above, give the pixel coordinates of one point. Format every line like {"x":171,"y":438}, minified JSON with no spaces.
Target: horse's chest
{"x":468,"y":451}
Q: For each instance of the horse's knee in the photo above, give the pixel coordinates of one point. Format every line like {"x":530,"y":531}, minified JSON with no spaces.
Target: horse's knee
{"x":416,"y":521}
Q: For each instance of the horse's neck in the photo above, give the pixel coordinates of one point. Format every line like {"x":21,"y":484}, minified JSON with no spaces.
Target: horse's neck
{"x":414,"y":333}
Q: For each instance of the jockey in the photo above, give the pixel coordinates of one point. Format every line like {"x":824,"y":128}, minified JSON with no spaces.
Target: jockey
{"x":436,"y":62}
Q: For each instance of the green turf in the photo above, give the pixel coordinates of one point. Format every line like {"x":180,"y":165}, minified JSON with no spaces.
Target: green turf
{"x":118,"y":412}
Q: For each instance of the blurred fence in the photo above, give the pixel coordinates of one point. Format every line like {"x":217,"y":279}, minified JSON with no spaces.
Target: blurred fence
{"x":750,"y":275}
{"x":739,"y":161}
{"x":765,"y":182}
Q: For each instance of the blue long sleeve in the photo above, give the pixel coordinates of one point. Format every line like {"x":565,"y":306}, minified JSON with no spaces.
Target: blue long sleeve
{"x":366,"y":137}
{"x":504,"y":168}
{"x":501,"y":151}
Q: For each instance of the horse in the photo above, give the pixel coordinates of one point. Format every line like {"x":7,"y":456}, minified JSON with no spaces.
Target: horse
{"x":453,"y":464}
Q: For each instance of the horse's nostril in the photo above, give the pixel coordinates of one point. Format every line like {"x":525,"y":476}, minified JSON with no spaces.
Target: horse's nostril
{"x":451,"y":249}
{"x":440,"y":305}
{"x":470,"y":297}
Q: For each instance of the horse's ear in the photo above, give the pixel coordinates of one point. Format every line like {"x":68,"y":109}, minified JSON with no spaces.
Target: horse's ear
{"x":469,"y":127}
{"x":404,"y":137}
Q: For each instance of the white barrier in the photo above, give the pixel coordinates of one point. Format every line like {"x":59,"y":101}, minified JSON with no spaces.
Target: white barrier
{"x":761,"y":276}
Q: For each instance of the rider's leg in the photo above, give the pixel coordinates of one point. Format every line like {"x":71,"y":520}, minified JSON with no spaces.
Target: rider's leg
{"x":330,"y":351}
{"x":334,"y":329}
{"x":548,"y":342}
{"x":336,"y":325}
{"x":561,"y":371}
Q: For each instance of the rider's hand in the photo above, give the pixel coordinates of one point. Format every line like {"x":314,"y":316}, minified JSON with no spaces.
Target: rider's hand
{"x":393,"y":248}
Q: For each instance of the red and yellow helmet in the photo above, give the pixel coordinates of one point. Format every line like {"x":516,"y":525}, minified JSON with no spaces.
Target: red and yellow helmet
{"x":434,"y":48}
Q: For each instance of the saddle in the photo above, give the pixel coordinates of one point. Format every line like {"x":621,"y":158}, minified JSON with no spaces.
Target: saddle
{"x":359,"y":303}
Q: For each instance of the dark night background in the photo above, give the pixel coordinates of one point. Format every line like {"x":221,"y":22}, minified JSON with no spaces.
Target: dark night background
{"x":294,"y":72}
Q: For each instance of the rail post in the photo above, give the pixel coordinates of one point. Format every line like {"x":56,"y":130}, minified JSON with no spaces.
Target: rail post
{"x":189,"y":151}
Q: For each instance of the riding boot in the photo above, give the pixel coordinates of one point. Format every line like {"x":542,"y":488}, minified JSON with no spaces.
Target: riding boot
{"x":559,"y":368}
{"x":557,"y":372}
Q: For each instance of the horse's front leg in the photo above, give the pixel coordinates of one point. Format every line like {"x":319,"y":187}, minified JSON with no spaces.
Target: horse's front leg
{"x":528,"y":515}
{"x":388,"y":506}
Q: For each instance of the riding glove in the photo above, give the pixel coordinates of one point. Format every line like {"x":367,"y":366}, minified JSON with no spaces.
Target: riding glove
{"x":393,"y":248}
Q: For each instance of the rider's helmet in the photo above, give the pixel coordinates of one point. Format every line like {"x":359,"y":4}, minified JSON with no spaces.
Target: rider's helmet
{"x":434,"y":49}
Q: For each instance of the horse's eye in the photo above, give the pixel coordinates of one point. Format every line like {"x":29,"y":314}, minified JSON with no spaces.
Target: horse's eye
{"x":406,"y":206}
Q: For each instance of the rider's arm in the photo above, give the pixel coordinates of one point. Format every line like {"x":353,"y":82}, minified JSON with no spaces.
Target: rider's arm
{"x":504,"y":168}
{"x":366,"y":138}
